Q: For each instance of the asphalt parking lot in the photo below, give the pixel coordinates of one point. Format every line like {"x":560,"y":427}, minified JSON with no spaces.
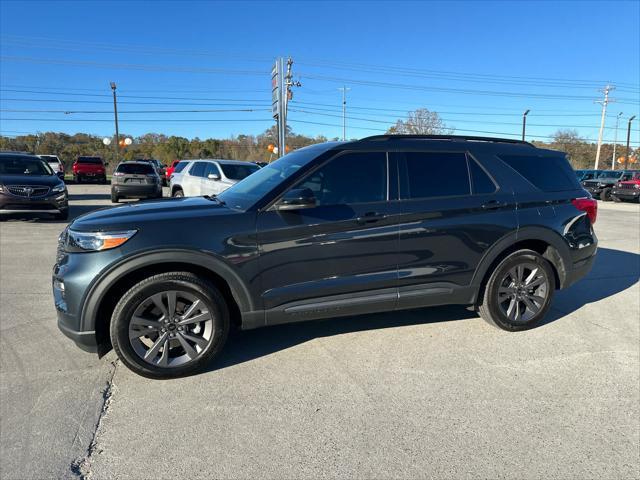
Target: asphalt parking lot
{"x":428,"y":393}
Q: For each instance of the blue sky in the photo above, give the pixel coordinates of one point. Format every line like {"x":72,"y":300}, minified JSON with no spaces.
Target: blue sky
{"x":479,"y":64}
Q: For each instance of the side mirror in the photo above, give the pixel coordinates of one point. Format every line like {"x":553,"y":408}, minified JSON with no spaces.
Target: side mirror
{"x":297,"y":199}
{"x":213,"y":176}
{"x":60,"y":175}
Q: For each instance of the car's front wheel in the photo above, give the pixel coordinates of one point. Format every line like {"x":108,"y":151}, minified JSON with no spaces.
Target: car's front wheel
{"x":519,"y":291}
{"x":169,"y":325}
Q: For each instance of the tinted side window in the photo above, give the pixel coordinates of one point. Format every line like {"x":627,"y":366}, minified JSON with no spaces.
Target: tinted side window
{"x":210,"y":168}
{"x":350,"y":178}
{"x":480,"y":181}
{"x":197,"y":170}
{"x":179,"y":167}
{"x":550,"y":174}
{"x":431,"y":174}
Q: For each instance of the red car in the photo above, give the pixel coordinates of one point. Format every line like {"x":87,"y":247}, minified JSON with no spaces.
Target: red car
{"x":89,"y":168}
{"x":628,"y":190}
{"x":171,"y":168}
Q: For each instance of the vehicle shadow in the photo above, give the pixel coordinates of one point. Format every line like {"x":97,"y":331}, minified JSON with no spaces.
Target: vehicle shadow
{"x":613,"y":272}
{"x":89,"y":196}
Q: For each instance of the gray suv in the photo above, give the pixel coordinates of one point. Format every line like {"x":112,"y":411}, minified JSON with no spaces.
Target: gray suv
{"x":331,"y":230}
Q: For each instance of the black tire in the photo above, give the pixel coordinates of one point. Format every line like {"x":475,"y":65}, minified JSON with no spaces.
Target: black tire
{"x":62,"y":214}
{"x":114,"y":198}
{"x":493,"y":311}
{"x":184,"y":282}
{"x":605,"y":195}
{"x":78,"y":179}
{"x":104,"y":181}
{"x":178,"y":193}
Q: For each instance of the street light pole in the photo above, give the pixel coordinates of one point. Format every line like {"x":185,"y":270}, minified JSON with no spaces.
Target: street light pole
{"x":626,"y":154}
{"x":524,"y":123}
{"x":615,"y":142}
{"x":115,"y":113}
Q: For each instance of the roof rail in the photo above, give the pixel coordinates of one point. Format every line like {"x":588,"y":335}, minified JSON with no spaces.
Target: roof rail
{"x":445,"y":137}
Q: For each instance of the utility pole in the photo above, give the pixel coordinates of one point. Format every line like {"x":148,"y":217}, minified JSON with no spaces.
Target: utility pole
{"x":604,"y":103}
{"x":524,"y":122}
{"x":344,"y":112}
{"x":626,"y":154}
{"x":615,"y":142}
{"x":281,"y":84}
{"x":115,"y":113}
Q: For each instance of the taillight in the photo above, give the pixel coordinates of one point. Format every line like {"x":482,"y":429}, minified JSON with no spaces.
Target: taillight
{"x":588,"y":205}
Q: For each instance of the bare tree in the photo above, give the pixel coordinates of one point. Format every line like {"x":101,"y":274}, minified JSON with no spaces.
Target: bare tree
{"x":421,"y":122}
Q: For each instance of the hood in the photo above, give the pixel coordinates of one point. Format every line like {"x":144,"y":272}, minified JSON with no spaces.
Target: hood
{"x":603,"y":180}
{"x":170,"y":212}
{"x":45,"y":180}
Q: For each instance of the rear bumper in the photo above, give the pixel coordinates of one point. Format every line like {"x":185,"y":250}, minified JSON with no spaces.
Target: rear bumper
{"x":139,"y":190}
{"x":56,"y":201}
{"x":580,"y":270}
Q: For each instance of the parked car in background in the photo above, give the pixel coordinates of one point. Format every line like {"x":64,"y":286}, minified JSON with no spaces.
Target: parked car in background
{"x":336,"y":229}
{"x":210,"y":177}
{"x":627,"y":190}
{"x":160,"y":168}
{"x":54,"y":162}
{"x":587,"y":174}
{"x":135,"y":180}
{"x":602,"y":185}
{"x":89,"y":168}
{"x":170,"y":168}
{"x":27,"y":182}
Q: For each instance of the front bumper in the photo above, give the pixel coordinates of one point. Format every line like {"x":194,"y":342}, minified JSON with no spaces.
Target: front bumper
{"x":84,"y":340}
{"x":137,"y":190}
{"x":626,"y":193}
{"x":594,"y":191}
{"x":55,"y":201}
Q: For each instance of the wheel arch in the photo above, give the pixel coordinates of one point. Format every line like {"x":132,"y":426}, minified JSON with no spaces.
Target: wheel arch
{"x":541,"y":240}
{"x":104,"y":294}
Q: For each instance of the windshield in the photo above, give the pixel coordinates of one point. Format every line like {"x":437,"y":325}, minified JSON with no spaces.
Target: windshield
{"x":238,"y":172}
{"x":608,"y":175}
{"x":24,"y":166}
{"x":247,"y":192}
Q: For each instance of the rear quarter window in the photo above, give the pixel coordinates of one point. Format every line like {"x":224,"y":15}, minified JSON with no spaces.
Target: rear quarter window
{"x":547,"y":173}
{"x":179,"y":167}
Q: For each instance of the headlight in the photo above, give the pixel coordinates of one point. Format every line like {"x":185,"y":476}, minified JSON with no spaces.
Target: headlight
{"x":637,"y":185}
{"x":3,"y":189}
{"x":602,"y":184}
{"x":96,"y":241}
{"x":59,"y":188}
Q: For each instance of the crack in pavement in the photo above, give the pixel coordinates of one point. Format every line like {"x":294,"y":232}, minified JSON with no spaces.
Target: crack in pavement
{"x":81,"y":466}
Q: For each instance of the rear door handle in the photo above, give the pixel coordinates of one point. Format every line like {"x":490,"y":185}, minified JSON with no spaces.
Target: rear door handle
{"x":370,"y":217}
{"x":492,"y":205}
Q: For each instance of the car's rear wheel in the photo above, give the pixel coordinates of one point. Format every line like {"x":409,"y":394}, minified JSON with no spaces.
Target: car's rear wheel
{"x":169,"y":325}
{"x":178,"y":193}
{"x":605,"y":194}
{"x":519,"y":291}
{"x":114,"y":198}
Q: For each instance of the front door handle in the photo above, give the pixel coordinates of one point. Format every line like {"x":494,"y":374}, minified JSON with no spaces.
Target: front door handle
{"x":493,"y":205}
{"x":370,"y":217}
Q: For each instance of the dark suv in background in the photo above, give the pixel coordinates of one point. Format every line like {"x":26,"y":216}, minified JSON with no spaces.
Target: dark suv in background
{"x":602,"y":185}
{"x":330,"y":230}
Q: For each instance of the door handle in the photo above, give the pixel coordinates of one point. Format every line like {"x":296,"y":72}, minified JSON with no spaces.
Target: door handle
{"x":493,"y":205}
{"x":370,"y":217}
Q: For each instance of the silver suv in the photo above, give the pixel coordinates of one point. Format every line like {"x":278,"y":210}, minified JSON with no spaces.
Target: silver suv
{"x":209,"y":177}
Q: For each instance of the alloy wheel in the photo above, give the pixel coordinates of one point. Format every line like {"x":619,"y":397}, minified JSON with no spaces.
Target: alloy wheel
{"x":171,"y":328}
{"x":523,"y":292}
